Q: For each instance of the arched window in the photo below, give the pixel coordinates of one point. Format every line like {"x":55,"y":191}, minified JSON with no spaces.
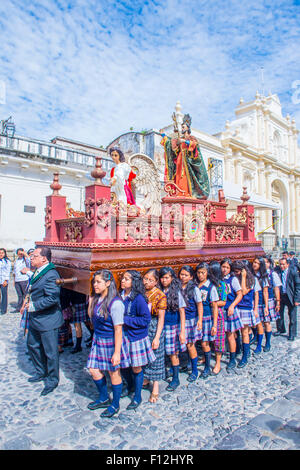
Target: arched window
{"x":277,"y":144}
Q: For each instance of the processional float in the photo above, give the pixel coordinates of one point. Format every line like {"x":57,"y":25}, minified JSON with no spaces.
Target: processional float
{"x":173,"y":225}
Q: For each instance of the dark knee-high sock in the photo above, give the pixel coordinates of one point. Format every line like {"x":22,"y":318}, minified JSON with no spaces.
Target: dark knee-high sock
{"x":117,"y":391}
{"x":138,"y":381}
{"x":207,"y":356}
{"x":268,"y":335}
{"x":175,"y":374}
{"x":194,"y":365}
{"x":128,"y":376}
{"x":102,"y":388}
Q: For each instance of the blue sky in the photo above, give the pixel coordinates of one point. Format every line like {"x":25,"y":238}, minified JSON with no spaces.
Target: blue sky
{"x":90,"y":69}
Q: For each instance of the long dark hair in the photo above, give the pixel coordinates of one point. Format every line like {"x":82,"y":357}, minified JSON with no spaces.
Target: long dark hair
{"x":154,"y":272}
{"x":271,"y":261}
{"x":21,"y":249}
{"x":250,"y":279}
{"x":174,"y":288}
{"x":215,"y":273}
{"x":188,"y":292}
{"x":106,"y":275}
{"x":137,"y":286}
{"x":263,"y":274}
{"x":5,"y":254}
{"x":202,"y":265}
{"x":121,"y":154}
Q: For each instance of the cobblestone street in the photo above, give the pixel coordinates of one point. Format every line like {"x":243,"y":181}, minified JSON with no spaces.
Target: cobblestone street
{"x":257,"y":407}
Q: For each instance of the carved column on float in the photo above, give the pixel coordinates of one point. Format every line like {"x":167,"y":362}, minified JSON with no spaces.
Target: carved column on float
{"x":98,"y":208}
{"x":248,"y":212}
{"x":55,"y":210}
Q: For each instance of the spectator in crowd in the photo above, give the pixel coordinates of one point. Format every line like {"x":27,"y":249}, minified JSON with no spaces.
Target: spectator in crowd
{"x":284,"y":242}
{"x":290,"y":298}
{"x":293,"y":260}
{"x":21,"y":280}
{"x":5,"y":268}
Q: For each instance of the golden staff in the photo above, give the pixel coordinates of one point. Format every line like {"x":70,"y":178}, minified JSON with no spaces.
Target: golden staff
{"x":274,"y":223}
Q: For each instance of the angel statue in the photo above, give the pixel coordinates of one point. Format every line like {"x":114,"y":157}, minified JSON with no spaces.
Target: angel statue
{"x":122,"y":178}
{"x":145,"y":177}
{"x":184,"y":163}
{"x":147,"y":183}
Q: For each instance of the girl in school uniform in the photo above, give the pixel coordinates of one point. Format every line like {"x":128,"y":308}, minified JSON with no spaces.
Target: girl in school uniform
{"x":193,"y":316}
{"x":174,"y":321}
{"x":109,"y":350}
{"x":233,"y":323}
{"x":260,"y":272}
{"x":137,"y":318}
{"x":273,"y":301}
{"x":215,"y":276}
{"x":210,"y":299}
{"x":155,"y":371}
{"x":248,"y":306}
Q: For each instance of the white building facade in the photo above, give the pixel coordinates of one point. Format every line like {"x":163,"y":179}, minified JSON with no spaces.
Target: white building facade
{"x":26,"y":172}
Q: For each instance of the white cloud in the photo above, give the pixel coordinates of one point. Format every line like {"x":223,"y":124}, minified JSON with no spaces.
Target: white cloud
{"x":89,"y":70}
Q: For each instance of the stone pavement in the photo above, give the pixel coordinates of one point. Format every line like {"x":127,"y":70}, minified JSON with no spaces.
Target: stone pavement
{"x":257,"y":407}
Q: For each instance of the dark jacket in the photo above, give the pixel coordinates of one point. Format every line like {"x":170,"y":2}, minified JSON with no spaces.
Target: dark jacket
{"x":292,"y":284}
{"x":45,"y":296}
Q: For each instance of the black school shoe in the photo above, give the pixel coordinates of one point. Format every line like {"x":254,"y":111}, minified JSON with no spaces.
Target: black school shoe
{"x":94,"y":405}
{"x":110,"y":412}
{"x":133,"y":405}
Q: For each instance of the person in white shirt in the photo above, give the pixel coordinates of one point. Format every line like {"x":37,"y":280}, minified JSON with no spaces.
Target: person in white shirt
{"x":21,"y":280}
{"x":5,"y":268}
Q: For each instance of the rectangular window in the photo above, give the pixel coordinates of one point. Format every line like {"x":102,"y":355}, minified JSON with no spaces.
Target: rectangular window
{"x":30,"y":209}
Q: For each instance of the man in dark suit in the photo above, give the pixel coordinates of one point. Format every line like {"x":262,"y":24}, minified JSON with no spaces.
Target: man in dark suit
{"x":44,"y":319}
{"x":289,"y":297}
{"x":293,"y":260}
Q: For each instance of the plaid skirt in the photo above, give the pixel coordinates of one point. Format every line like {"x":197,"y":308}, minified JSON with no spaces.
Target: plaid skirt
{"x":221,"y":335}
{"x":191,"y":333}
{"x":248,"y":318}
{"x":63,"y":334}
{"x":232,"y":322}
{"x":207,"y":324}
{"x":172,"y":343}
{"x":102,"y":351}
{"x":67,"y":313}
{"x":156,"y":370}
{"x":140,"y":351}
{"x":273,"y":315}
{"x":80,"y":313}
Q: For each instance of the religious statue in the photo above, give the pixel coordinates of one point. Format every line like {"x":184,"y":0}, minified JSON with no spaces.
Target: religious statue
{"x":184,"y":163}
{"x":122,"y":178}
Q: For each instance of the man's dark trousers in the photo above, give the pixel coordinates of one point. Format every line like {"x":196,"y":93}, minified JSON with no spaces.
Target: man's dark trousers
{"x":3,"y":305}
{"x":292,"y":312}
{"x":43,"y":350}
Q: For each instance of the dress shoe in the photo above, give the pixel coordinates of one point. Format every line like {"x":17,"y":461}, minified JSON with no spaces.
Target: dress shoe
{"x":291,"y":338}
{"x":133,"y":405}
{"x":76,"y":350}
{"x":192,"y":377}
{"x":47,"y":390}
{"x":94,"y":405}
{"x":173,"y":385}
{"x":278,"y":333}
{"x":206,"y":373}
{"x":36,"y":378}
{"x":109,"y":412}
